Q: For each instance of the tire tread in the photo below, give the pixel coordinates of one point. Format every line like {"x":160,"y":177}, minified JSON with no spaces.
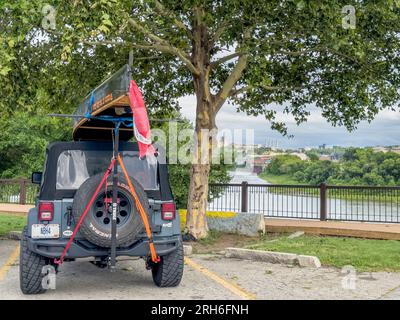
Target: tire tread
{"x":168,"y":272}
{"x":30,"y":267}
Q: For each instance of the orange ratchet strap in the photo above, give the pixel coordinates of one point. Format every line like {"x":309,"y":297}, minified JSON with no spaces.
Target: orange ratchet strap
{"x":142,"y":213}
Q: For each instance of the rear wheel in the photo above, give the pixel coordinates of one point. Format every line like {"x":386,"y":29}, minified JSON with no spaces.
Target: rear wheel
{"x":30,"y":268}
{"x":168,"y":272}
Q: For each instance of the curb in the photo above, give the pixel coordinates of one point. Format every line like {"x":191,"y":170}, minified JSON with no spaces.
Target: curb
{"x":14,"y":235}
{"x":187,"y":250}
{"x":273,"y":257}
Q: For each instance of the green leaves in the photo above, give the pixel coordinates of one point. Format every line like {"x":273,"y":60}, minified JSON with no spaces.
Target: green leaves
{"x":106,"y":24}
{"x":23,"y":141}
{"x":299,"y":53}
{"x":357,"y":167}
{"x":106,"y":20}
{"x":6,"y":55}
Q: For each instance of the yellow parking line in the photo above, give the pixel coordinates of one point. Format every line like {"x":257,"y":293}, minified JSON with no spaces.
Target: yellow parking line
{"x":10,"y":261}
{"x":226,"y":284}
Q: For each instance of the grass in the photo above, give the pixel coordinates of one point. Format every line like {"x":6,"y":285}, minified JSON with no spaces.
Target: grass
{"x":212,"y":238}
{"x":218,"y":241}
{"x":278,"y":179}
{"x":363,"y":254}
{"x":11,"y":222}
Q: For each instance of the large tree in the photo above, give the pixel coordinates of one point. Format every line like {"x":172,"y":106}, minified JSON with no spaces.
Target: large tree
{"x":253,"y":53}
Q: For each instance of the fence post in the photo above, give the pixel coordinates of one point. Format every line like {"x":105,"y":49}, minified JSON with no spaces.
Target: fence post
{"x":22,"y":191}
{"x":323,"y":202}
{"x":244,"y":196}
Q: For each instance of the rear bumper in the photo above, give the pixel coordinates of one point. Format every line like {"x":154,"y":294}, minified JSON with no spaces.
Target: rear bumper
{"x":53,"y":248}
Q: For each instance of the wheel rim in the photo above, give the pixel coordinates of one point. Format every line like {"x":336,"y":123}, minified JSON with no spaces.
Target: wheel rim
{"x":102,"y":209}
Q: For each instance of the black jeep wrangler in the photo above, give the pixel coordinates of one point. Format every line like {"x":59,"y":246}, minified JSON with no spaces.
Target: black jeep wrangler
{"x":72,"y":172}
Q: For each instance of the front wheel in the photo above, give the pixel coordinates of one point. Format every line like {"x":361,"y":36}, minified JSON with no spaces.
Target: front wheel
{"x":168,"y":272}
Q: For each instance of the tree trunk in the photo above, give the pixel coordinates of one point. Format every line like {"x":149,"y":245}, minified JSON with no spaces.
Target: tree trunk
{"x":196,"y":223}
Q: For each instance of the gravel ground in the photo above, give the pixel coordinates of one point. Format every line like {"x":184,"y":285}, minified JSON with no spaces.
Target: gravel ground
{"x":275,"y":281}
{"x":82,"y":280}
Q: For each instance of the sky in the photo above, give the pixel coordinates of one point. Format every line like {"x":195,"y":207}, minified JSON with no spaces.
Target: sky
{"x":384,"y":130}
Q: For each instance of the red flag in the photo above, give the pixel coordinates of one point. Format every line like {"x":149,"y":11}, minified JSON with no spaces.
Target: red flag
{"x":141,"y":121}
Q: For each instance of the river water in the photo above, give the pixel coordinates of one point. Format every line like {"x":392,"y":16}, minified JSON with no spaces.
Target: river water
{"x":302,"y":203}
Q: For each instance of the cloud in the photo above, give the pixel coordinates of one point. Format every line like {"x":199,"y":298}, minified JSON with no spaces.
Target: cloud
{"x":383,"y":130}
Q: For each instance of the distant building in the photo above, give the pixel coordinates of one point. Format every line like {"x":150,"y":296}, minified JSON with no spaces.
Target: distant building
{"x":380,"y":149}
{"x":301,"y":155}
{"x":325,"y":157}
{"x":396,"y":149}
{"x":335,"y":156}
{"x":272,"y":143}
{"x":260,"y":162}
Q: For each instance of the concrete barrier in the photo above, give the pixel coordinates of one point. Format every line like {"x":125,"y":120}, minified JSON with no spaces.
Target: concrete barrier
{"x":248,"y":224}
{"x":273,"y":257}
{"x":15,"y":235}
{"x":187,"y":250}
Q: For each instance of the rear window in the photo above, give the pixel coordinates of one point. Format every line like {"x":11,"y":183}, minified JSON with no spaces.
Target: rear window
{"x":75,"y":166}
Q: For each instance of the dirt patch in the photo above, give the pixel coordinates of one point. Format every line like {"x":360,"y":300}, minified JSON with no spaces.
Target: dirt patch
{"x":21,"y":214}
{"x":217,"y":242}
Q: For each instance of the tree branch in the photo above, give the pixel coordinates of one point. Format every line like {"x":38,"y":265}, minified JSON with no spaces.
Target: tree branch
{"x":131,"y":45}
{"x":104,"y":43}
{"x":235,"y":75}
{"x":320,"y":48}
{"x":219,"y":32}
{"x":231,"y":81}
{"x":236,"y":92}
{"x":164,"y":46}
{"x":167,"y":13}
{"x":127,"y":44}
{"x":225,"y":59}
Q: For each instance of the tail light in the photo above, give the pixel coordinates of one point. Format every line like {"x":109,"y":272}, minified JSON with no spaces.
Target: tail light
{"x":168,"y":211}
{"x":46,"y":211}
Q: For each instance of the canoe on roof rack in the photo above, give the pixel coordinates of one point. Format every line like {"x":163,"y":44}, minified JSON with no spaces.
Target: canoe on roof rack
{"x":108,"y":99}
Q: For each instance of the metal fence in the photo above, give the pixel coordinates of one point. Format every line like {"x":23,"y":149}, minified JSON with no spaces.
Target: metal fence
{"x":20,"y":191}
{"x":323,"y":202}
{"x":375,"y":204}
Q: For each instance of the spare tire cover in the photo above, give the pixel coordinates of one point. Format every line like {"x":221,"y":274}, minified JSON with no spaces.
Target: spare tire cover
{"x":96,"y":226}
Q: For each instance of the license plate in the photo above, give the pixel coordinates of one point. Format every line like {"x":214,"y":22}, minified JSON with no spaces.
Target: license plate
{"x":45,"y":231}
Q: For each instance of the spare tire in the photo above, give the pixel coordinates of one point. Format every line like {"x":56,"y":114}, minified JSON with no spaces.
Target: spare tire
{"x":96,"y":226}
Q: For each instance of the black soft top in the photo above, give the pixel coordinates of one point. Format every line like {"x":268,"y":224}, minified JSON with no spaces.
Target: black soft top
{"x":48,"y":189}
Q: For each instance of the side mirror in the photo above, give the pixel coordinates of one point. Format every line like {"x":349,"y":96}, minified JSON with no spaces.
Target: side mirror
{"x":37,"y":177}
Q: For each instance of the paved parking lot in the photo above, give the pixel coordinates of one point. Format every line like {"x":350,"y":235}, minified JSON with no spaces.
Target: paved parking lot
{"x":205,"y":277}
